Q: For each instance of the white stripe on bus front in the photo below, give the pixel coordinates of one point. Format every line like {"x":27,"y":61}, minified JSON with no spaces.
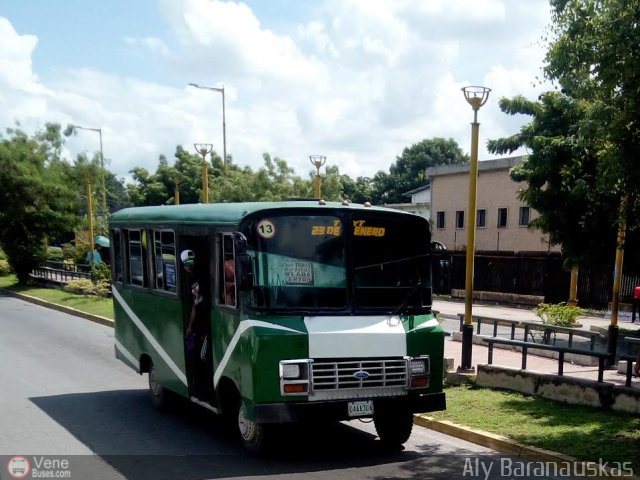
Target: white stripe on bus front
{"x":127,"y":355}
{"x":154,"y":343}
{"x":356,"y":336}
{"x":243,"y":327}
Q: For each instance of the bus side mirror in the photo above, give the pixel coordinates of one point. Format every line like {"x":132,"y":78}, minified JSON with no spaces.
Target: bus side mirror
{"x":244,"y":269}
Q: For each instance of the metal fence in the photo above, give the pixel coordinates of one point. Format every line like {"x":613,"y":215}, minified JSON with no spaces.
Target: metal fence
{"x":529,"y":273}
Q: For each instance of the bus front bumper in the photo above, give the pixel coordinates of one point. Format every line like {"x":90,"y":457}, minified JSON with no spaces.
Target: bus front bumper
{"x":338,"y":410}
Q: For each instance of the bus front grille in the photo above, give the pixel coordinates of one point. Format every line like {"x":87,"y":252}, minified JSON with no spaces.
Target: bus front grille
{"x":358,"y":378}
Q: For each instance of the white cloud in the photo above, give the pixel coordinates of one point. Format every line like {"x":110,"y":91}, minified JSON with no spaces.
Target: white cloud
{"x":358,"y":83}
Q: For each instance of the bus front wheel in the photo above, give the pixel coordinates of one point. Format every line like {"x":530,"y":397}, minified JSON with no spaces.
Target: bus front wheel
{"x":251,"y":433}
{"x":393,"y":426}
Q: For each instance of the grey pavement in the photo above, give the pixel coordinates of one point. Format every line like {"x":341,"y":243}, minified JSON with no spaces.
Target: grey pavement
{"x":449,"y":310}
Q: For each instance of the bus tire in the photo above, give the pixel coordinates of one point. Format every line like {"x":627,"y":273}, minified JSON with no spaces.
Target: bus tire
{"x":393,"y":426}
{"x":252,"y":434}
{"x":160,"y":396}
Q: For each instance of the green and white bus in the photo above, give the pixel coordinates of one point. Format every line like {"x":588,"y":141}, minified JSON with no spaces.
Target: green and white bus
{"x":327,"y":315}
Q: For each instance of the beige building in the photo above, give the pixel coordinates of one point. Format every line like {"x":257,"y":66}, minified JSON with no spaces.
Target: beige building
{"x":502,"y":220}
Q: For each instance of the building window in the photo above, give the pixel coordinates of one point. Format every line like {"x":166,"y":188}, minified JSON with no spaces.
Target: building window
{"x":523,"y":217}
{"x":481,"y":218}
{"x":502,"y":218}
{"x":459,"y":219}
{"x":440,"y":220}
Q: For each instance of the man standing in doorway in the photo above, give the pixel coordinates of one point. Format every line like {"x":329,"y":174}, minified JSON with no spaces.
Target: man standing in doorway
{"x":196,"y":341}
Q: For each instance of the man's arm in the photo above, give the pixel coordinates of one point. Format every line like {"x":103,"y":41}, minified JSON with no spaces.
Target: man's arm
{"x":192,"y":320}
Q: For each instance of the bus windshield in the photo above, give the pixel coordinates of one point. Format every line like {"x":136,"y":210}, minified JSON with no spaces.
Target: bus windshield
{"x":355,"y":262}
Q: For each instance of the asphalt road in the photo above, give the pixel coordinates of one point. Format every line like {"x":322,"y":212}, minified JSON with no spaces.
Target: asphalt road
{"x":63,"y":396}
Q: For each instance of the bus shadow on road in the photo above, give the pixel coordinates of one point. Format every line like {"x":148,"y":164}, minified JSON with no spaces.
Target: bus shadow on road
{"x":188,"y":442}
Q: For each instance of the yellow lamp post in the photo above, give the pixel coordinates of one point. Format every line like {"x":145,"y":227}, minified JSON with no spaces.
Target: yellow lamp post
{"x":573,"y":287}
{"x":176,"y":190}
{"x":614,"y":329}
{"x":476,"y":97}
{"x":203,"y":149}
{"x":317,"y":161}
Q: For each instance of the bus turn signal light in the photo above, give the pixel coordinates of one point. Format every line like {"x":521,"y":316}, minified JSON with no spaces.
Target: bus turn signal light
{"x":295,"y":388}
{"x":419,"y":382}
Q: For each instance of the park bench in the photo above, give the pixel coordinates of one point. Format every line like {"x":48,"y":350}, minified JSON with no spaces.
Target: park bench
{"x":629,"y":357}
{"x":525,"y":346}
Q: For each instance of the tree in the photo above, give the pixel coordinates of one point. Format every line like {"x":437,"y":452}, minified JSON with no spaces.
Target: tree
{"x":594,"y":57}
{"x":562,"y":176}
{"x":407,"y":173}
{"x":35,"y":201}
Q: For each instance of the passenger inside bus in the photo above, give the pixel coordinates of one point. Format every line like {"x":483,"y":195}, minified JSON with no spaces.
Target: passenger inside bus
{"x":229,"y":282}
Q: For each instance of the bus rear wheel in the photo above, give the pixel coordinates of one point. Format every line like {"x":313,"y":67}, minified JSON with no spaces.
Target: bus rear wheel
{"x":252,"y":434}
{"x":160,"y":396}
{"x":393,"y":426}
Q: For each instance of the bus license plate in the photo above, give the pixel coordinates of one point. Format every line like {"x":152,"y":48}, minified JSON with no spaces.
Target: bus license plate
{"x":360,"y":409}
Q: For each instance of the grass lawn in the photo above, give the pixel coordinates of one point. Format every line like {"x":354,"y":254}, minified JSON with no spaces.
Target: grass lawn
{"x":89,"y":304}
{"x":582,"y":432}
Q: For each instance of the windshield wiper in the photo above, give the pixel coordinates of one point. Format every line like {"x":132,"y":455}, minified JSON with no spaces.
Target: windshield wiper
{"x":406,"y":299}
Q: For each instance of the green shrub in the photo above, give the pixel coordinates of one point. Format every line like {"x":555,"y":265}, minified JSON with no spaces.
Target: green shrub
{"x":103,"y":288}
{"x":85,"y":286}
{"x":5,"y":268}
{"x":559,"y":314}
{"x":102,"y":273}
{"x":82,"y":286}
{"x":55,"y":254}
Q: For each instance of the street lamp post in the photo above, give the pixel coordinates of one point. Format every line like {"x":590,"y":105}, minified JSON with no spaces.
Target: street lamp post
{"x":224,"y":123}
{"x":203,"y":149}
{"x":614,"y":329}
{"x":90,"y":220}
{"x":104,"y":186}
{"x":476,"y":97}
{"x":317,"y":161}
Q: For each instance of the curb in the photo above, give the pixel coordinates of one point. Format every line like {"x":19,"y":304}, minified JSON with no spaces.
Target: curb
{"x":504,"y":444}
{"x":60,"y":308}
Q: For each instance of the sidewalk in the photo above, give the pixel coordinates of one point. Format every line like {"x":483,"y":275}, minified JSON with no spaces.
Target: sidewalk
{"x":508,"y":358}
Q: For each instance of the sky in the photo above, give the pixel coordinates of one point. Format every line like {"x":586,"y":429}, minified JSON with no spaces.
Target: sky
{"x":354,"y":80}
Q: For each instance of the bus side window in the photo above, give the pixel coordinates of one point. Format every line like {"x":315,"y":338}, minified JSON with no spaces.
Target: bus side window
{"x":164,"y":260}
{"x":227,"y":275}
{"x":117,"y":256}
{"x":137,"y":258}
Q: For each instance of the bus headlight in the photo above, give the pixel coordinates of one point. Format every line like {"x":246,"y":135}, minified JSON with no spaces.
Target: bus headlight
{"x":290,"y":371}
{"x":419,"y":368}
{"x":294,"y":377}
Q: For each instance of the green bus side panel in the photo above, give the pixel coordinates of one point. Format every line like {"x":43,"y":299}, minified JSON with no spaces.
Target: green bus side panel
{"x":429,"y":341}
{"x":254,"y":363}
{"x":162,"y":316}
